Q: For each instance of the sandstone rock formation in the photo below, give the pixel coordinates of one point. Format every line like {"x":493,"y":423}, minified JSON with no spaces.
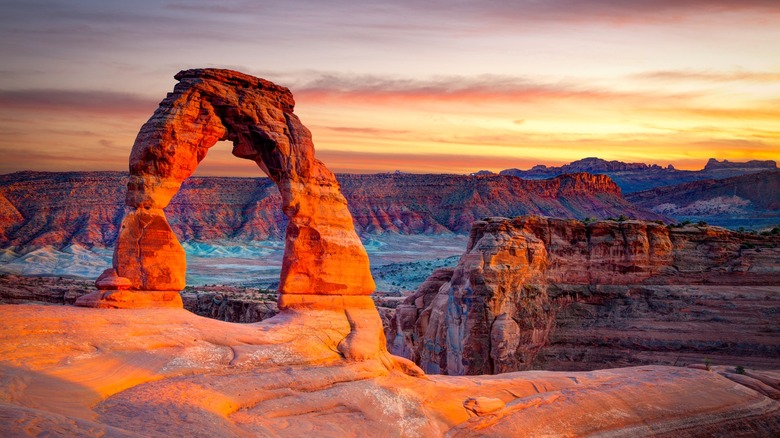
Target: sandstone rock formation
{"x":323,"y":255}
{"x":67,"y":371}
{"x":412,"y":204}
{"x":225,"y":303}
{"x":10,"y":218}
{"x":325,"y":276}
{"x":563,"y":294}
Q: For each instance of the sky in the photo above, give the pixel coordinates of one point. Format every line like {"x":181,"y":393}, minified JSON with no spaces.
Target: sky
{"x":418,"y":86}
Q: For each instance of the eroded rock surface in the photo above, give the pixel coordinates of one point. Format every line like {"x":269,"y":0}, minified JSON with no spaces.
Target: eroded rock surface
{"x":323,"y":255}
{"x":166,"y":372}
{"x":557,"y":294}
{"x":325,"y":267}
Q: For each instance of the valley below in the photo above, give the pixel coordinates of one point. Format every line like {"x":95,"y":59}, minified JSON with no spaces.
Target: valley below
{"x":398,"y":262}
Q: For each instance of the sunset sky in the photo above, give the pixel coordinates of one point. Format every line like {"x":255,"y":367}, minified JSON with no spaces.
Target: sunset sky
{"x":419,"y":86}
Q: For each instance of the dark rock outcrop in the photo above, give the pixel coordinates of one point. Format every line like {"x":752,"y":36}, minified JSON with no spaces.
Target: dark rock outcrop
{"x":230,"y":304}
{"x":751,"y":201}
{"x":713,"y":164}
{"x":635,"y":177}
{"x":225,"y":303}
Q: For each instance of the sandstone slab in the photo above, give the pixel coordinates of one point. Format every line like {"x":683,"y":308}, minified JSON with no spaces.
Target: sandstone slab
{"x":130,"y":299}
{"x":167,"y":372}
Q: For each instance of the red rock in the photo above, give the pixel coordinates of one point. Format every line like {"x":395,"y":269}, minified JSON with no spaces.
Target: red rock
{"x":10,"y":218}
{"x":325,"y":269}
{"x":483,"y":405}
{"x":130,"y":299}
{"x":52,"y":211}
{"x":148,"y":253}
{"x":560,"y":294}
{"x":110,"y":280}
{"x":323,"y":255}
{"x":753,"y":384}
{"x":168,"y":372}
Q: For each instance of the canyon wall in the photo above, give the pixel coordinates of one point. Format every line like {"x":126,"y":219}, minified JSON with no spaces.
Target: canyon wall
{"x":749,"y":201}
{"x":535,"y":292}
{"x":86,"y":208}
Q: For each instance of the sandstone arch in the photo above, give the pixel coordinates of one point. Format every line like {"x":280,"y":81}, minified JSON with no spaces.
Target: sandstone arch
{"x":323,"y":255}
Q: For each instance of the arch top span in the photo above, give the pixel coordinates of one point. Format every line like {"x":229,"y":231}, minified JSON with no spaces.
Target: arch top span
{"x":211,"y":105}
{"x":323,"y":254}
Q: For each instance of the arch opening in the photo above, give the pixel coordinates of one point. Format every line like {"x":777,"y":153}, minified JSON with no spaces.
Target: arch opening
{"x":221,"y":161}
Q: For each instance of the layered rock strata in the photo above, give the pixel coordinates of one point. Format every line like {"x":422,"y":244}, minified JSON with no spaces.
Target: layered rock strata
{"x":749,"y":201}
{"x":560,"y":294}
{"x":87,"y":208}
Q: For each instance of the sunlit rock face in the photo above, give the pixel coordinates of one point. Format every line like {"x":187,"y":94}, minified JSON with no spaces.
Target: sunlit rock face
{"x":492,"y":314}
{"x":323,"y":255}
{"x":325,"y":274}
{"x":168,"y":372}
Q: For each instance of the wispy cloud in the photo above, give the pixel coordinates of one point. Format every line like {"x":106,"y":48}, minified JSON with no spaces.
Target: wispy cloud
{"x":691,"y":113}
{"x":517,"y":10}
{"x":87,"y":101}
{"x":456,"y":88}
{"x":365,"y":131}
{"x":626,"y":12}
{"x":369,"y":162}
{"x":711,"y":76}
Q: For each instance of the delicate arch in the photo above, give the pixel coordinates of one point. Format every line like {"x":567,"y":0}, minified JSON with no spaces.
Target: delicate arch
{"x":323,"y":254}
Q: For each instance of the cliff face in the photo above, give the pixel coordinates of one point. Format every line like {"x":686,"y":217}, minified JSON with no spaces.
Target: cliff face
{"x":750,"y":201}
{"x":87,"y":207}
{"x":529,"y":284}
{"x":62,"y":208}
{"x":411,"y":204}
{"x":713,"y":164}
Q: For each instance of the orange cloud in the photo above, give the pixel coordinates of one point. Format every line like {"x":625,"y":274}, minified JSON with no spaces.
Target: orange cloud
{"x":464,"y":91}
{"x":710,"y":76}
{"x":370,"y":162}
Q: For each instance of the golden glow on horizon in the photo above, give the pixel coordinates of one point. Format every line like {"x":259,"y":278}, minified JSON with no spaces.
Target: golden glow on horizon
{"x":489,"y":87}
{"x":439,"y":131}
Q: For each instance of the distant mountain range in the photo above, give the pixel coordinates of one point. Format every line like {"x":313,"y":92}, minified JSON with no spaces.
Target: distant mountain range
{"x":636,"y":177}
{"x":751,"y":201}
{"x":58,"y":209}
